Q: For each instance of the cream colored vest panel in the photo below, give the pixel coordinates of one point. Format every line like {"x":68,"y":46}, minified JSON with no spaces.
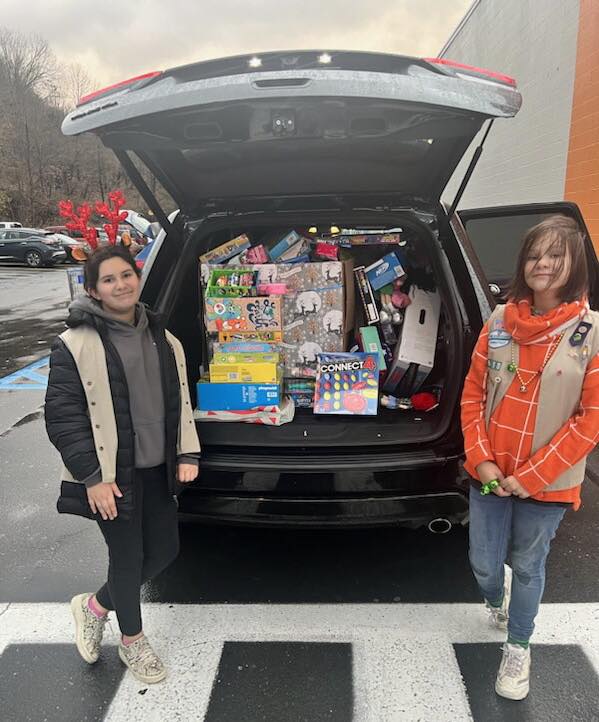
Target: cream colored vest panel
{"x":87,"y":350}
{"x":560,"y":387}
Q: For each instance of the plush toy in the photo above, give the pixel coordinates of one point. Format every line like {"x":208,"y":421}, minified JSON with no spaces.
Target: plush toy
{"x":398,"y":298}
{"x":424,"y":401}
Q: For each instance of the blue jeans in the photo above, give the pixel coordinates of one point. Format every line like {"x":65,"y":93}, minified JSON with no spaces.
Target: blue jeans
{"x":507,"y":525}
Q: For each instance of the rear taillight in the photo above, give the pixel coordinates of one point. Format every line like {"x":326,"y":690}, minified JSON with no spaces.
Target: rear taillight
{"x":139,"y":264}
{"x":499,"y":77}
{"x":117,"y":86}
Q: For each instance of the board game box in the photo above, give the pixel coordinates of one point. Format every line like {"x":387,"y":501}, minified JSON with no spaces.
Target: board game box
{"x":347,"y":383}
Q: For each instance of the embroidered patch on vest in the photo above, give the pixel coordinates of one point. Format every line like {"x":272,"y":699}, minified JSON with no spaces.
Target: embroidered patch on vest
{"x":495,"y":365}
{"x":580,"y":333}
{"x":499,"y":338}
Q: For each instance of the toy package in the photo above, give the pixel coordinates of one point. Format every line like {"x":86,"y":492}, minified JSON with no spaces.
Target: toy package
{"x":236,"y":397}
{"x":226,"y":250}
{"x":243,"y":314}
{"x":347,"y":383}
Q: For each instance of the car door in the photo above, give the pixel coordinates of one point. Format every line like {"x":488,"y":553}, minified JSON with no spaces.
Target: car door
{"x":10,"y":250}
{"x":21,"y":244}
{"x":495,"y":236}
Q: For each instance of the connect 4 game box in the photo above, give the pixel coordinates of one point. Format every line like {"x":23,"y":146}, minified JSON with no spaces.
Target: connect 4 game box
{"x":347,"y":383}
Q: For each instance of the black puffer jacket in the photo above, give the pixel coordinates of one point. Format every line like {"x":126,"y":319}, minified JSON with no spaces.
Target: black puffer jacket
{"x":66,"y":411}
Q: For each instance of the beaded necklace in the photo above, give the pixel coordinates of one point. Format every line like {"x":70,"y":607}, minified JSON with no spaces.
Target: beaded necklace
{"x":512,"y":367}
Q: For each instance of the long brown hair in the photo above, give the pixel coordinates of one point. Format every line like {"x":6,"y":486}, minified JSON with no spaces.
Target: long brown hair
{"x":565,"y":236}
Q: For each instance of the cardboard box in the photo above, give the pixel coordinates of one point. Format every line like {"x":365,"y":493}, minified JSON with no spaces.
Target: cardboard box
{"x":414,"y":355}
{"x":272,"y":338}
{"x":243,"y":314}
{"x":245,"y":357}
{"x":226,"y":250}
{"x":371,"y":343}
{"x":384,"y":271}
{"x":318,"y":311}
{"x":284,"y":244}
{"x":236,"y":397}
{"x":367,"y":239}
{"x":347,"y":383}
{"x":244,"y":373}
{"x":371,"y":312}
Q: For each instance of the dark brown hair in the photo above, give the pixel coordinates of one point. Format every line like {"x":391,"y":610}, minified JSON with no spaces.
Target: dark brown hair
{"x":565,"y":235}
{"x":91,"y":269}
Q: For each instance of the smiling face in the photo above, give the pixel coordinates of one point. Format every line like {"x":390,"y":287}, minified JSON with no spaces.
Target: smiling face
{"x":547,"y":265}
{"x":117,"y":288}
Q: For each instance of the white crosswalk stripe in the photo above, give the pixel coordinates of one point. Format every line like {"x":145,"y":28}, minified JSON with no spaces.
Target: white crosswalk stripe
{"x":404,"y":666}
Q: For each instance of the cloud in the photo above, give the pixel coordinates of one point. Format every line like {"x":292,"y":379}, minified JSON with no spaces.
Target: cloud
{"x":116,"y":40}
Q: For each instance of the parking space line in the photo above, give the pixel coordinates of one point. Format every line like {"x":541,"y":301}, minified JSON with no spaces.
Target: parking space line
{"x":28,"y":378}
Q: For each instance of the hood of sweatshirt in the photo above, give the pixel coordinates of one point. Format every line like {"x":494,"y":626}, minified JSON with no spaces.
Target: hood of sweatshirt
{"x":84,"y":310}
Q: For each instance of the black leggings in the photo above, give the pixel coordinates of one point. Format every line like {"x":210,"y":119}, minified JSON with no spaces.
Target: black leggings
{"x":139,"y":548}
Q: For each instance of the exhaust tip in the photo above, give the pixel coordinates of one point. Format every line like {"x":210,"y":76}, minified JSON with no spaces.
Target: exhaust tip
{"x":439,"y":526}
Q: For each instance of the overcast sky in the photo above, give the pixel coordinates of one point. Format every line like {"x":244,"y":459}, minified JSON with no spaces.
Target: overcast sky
{"x":117,"y":40}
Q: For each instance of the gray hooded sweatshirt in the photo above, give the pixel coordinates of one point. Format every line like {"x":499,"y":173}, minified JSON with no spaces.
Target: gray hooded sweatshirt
{"x":137,"y":349}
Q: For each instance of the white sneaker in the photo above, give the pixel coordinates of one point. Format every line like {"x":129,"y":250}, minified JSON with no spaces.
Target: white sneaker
{"x":513,"y":678}
{"x":145,"y":665}
{"x":89,"y":629}
{"x":499,"y":616}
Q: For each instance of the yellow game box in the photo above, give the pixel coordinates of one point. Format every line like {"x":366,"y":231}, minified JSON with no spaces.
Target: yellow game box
{"x":244,"y":373}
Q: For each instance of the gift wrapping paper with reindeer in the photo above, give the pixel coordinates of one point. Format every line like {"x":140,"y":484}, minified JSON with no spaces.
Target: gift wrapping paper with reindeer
{"x":317,"y":308}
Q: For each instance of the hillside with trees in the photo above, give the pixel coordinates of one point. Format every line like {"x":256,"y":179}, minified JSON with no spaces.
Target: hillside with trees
{"x":38,"y":165}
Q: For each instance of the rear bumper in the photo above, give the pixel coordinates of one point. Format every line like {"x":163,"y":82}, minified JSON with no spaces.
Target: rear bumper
{"x":413,"y":510}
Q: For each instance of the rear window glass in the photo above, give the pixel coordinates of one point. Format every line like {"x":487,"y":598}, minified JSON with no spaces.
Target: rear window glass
{"x":497,"y":241}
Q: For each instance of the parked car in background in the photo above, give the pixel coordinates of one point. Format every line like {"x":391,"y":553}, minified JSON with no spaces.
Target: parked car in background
{"x":34,"y":247}
{"x":69,"y":244}
{"x":63,"y":230}
{"x":102,"y":237}
{"x":10,"y":224}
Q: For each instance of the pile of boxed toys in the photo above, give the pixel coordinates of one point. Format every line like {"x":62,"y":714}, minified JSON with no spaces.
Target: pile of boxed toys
{"x":284,"y":331}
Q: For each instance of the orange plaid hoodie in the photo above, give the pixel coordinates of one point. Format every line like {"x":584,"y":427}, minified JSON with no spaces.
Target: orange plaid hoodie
{"x":508,"y":440}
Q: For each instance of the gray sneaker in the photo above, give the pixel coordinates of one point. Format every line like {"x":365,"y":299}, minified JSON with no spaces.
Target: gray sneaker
{"x":499,"y":616}
{"x":145,"y":665}
{"x":513,"y":678}
{"x":89,"y":629}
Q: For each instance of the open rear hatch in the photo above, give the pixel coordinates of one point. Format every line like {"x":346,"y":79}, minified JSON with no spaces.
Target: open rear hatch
{"x":364,"y":122}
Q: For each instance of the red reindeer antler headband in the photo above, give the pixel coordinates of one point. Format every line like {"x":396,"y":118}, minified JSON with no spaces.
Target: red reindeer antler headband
{"x":112,"y":213}
{"x":78,"y":220}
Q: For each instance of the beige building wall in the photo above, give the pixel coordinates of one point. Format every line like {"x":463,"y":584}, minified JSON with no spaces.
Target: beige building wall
{"x":534,"y":41}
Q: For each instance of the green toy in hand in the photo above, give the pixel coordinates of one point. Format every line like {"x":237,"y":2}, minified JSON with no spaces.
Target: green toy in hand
{"x":489,"y":487}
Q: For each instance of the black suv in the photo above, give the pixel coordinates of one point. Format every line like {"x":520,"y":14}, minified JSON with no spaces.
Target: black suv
{"x":296,"y":139}
{"x":31,"y":246}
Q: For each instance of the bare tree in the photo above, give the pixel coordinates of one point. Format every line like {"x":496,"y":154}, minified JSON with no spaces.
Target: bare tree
{"x":75,"y":83}
{"x":27,"y":62}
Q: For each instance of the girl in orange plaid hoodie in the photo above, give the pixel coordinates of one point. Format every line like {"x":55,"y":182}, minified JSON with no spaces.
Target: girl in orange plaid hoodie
{"x":530,"y":417}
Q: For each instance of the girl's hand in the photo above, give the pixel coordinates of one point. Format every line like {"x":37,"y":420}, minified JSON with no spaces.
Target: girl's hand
{"x":101,"y":499}
{"x":513,"y":486}
{"x":186,"y":473}
{"x":487,"y":471}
